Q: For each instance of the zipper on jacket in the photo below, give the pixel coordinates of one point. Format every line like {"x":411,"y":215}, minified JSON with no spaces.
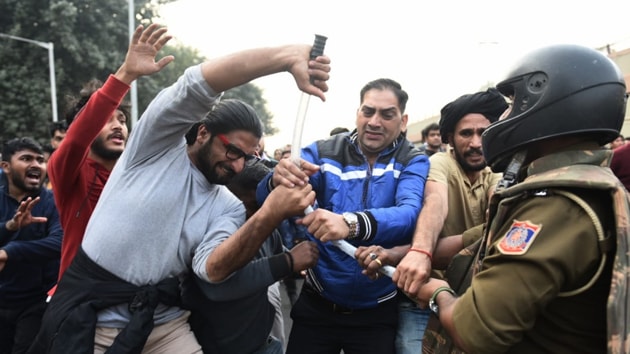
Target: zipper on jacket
{"x":366,"y":185}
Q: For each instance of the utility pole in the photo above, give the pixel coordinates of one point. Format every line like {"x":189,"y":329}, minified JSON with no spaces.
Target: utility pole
{"x":51,"y":66}
{"x":134,"y":86}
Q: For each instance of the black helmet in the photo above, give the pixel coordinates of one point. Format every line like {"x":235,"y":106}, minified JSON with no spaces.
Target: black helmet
{"x":557,"y":91}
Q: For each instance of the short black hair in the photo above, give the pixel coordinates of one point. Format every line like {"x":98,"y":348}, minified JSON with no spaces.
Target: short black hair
{"x":47,"y":148}
{"x":428,"y":128}
{"x":54,"y":126}
{"x":247,"y":180}
{"x":387,"y":84}
{"x":76,"y":104}
{"x":19,"y":144}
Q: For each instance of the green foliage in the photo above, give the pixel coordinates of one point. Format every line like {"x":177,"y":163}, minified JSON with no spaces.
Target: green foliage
{"x":253,"y":95}
{"x":149,"y":86}
{"x":90,"y":40}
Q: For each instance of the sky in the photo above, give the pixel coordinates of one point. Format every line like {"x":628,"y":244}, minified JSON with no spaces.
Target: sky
{"x":437,"y":50}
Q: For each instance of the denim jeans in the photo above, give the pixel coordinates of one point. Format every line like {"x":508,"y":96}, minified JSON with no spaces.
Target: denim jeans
{"x":412,"y":321}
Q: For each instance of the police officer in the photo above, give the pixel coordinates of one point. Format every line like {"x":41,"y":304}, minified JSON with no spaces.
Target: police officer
{"x":542,"y":277}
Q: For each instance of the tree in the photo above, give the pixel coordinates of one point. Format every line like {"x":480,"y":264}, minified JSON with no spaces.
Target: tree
{"x":90,"y":39}
{"x":253,"y":95}
{"x":149,"y":86}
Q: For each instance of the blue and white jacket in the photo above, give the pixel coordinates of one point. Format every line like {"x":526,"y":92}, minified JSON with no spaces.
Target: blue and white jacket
{"x":387,"y":199}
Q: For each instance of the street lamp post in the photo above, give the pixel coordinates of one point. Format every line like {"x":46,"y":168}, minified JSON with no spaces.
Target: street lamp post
{"x":134,"y":86}
{"x":51,"y":66}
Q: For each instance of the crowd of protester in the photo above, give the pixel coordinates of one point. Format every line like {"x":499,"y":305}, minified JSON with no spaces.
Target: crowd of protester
{"x":506,"y":227}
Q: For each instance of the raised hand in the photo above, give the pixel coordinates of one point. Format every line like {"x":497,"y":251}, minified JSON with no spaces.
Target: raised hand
{"x":311,"y":76}
{"x":23,"y":216}
{"x":140,"y":58}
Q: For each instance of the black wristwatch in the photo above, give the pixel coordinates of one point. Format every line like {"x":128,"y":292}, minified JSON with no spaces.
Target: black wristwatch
{"x":433,"y":302}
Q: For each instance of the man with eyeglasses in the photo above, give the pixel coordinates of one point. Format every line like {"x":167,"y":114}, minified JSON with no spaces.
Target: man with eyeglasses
{"x":232,"y":152}
{"x":166,"y":212}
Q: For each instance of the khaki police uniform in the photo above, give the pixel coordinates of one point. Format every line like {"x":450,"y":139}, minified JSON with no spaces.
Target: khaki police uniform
{"x":541,"y":244}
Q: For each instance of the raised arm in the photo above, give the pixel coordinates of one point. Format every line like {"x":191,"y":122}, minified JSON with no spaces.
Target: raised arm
{"x":143,"y":49}
{"x":65,"y":164}
{"x":241,"y":67}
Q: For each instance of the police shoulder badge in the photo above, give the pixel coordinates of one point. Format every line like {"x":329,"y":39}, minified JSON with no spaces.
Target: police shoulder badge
{"x":519,"y":237}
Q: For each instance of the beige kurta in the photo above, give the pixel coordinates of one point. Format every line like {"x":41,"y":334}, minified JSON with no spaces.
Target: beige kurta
{"x":467,"y":202}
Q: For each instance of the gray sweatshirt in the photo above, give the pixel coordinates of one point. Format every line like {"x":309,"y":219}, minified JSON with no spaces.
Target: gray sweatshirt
{"x":158,"y":214}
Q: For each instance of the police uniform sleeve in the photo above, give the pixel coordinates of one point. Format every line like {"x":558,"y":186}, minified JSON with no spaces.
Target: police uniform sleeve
{"x":473,"y":234}
{"x":545,"y":246}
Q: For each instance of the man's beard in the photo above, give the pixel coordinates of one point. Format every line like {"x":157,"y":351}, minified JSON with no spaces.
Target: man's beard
{"x":209,"y":170}
{"x":18,"y":182}
{"x":434,"y":147}
{"x":99,"y":149}
{"x":465,"y":165}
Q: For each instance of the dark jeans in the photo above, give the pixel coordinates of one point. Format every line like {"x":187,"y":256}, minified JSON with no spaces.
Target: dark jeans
{"x":320,"y":327}
{"x":19,"y":326}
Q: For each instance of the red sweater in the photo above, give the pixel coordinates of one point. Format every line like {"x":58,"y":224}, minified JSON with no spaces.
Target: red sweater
{"x":620,"y":164}
{"x":77,"y":180}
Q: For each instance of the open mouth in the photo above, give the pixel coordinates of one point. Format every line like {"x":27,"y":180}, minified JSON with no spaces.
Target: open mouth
{"x":33,"y":176}
{"x":474,"y":153}
{"x":117,"y":138}
{"x":475,"y":157}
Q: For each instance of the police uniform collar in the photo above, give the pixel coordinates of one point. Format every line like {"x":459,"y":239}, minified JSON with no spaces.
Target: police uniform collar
{"x":581,"y":154}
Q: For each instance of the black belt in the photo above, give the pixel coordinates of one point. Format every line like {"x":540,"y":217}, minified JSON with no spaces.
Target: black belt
{"x":325,"y":303}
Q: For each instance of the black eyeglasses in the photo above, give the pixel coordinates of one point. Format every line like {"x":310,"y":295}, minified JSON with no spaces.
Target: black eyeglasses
{"x":232,"y":152}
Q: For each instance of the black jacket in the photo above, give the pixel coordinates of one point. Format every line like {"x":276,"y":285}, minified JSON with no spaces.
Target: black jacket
{"x":69,"y":323}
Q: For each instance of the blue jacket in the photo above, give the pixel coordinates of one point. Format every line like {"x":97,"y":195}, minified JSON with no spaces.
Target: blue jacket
{"x":33,"y":251}
{"x":387,"y":199}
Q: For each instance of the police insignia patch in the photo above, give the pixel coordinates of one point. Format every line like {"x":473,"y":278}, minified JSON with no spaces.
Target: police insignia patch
{"x":519,"y":237}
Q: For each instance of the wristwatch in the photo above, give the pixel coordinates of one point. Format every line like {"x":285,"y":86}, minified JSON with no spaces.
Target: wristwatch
{"x":352,"y":221}
{"x":433,"y":302}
